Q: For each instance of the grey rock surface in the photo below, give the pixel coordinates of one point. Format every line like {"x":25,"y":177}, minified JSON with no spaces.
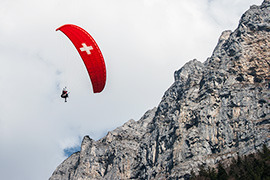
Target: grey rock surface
{"x":214,"y":111}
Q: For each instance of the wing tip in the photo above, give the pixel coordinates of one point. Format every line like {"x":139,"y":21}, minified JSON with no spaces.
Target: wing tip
{"x":65,"y":26}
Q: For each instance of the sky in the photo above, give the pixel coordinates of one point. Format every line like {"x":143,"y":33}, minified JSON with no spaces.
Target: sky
{"x":143,"y":42}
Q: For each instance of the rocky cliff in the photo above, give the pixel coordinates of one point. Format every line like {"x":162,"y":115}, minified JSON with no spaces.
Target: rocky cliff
{"x":213,"y":111}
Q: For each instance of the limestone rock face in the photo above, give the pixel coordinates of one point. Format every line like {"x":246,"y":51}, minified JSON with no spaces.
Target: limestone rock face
{"x":213,"y":111}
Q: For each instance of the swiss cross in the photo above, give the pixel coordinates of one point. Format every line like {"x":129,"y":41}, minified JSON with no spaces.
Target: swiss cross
{"x":86,"y":48}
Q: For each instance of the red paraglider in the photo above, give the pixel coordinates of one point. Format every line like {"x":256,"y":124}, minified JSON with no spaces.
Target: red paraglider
{"x":90,"y":54}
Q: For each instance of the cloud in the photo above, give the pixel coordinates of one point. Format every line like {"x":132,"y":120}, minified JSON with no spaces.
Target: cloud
{"x":143,"y":43}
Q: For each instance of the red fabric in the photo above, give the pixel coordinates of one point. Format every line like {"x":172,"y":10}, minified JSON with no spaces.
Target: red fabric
{"x":94,"y":62}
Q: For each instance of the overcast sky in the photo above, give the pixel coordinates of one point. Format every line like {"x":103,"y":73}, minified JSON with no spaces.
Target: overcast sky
{"x":143,"y":43}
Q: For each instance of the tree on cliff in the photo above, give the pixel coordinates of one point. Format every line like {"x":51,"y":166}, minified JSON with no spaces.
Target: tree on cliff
{"x":253,"y":166}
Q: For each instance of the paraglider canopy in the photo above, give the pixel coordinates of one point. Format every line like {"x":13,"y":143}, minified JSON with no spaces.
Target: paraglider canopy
{"x":90,"y":54}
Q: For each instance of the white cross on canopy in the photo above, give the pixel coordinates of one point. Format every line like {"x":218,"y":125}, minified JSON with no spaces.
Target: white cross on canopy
{"x":86,"y":48}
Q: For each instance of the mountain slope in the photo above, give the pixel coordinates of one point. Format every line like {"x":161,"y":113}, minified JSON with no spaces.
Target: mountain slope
{"x":213,"y":111}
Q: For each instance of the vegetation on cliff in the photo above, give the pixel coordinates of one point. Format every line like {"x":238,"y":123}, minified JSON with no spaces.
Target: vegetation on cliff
{"x":254,"y":166}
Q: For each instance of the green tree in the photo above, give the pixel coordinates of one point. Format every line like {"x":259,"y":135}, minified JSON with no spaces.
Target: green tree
{"x":252,"y":167}
{"x":212,"y":174}
{"x":222,"y":174}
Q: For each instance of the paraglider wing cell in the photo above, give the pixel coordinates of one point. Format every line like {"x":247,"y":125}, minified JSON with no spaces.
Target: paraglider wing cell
{"x":90,"y":54}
